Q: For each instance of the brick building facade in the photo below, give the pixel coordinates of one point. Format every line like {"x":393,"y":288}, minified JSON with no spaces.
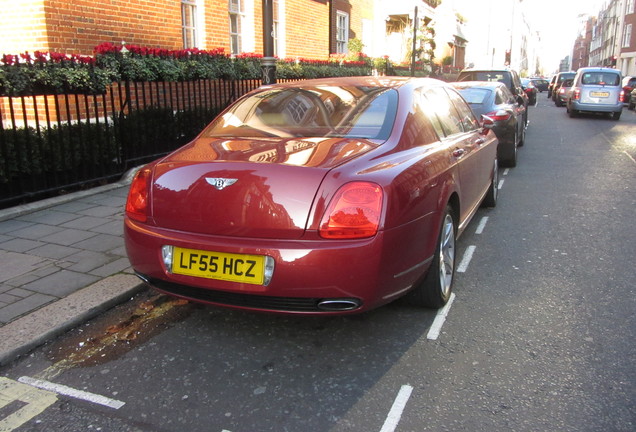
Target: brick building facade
{"x":627,"y":57}
{"x":305,"y":28}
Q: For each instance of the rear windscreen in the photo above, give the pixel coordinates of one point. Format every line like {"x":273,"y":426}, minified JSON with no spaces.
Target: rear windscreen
{"x":491,"y":76}
{"x":600,"y":78}
{"x":474,"y":95}
{"x":310,"y":111}
{"x":563,"y":77}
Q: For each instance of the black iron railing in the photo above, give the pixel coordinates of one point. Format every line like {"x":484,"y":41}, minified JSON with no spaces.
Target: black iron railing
{"x":52,"y":144}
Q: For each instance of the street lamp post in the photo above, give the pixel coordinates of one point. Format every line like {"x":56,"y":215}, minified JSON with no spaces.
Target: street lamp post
{"x":414,"y":52}
{"x":268,"y":64}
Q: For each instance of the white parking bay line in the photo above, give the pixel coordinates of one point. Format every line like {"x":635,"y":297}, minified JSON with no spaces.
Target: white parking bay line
{"x":500,"y":185}
{"x":395,"y":414}
{"x":68,"y":391}
{"x":506,"y":171}
{"x":436,"y":328}
{"x":482,"y":225}
{"x":468,"y":255}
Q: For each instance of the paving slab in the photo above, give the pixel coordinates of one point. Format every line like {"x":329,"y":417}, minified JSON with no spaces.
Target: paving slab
{"x":26,"y":333}
{"x":62,"y":262}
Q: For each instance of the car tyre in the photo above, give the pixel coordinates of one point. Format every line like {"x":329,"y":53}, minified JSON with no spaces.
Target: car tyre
{"x":435,"y":288}
{"x":511,"y":162}
{"x":616,"y":116}
{"x":631,"y":106}
{"x":490,"y":200}
{"x":573,"y":113}
{"x":558,"y":103}
{"x":522,"y":138}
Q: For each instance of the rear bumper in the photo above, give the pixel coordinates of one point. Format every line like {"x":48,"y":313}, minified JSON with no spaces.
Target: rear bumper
{"x":310,"y":277}
{"x":592,"y":107}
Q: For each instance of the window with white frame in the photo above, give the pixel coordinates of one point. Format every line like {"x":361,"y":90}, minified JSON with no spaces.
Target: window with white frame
{"x":342,"y":32}
{"x":189,"y":23}
{"x":276,"y":22}
{"x":236,"y":16}
{"x":629,"y":8}
{"x":627,"y":35}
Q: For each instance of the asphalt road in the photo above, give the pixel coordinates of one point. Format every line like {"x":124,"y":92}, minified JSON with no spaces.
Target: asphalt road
{"x":539,"y":337}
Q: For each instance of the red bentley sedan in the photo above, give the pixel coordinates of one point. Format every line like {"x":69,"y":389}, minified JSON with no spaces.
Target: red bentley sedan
{"x":326,"y":196}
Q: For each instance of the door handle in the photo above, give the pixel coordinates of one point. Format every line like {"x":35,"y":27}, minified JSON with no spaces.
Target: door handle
{"x":459,"y":152}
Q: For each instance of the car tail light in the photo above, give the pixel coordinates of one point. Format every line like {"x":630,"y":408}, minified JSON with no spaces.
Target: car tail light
{"x":500,"y":115}
{"x":354,"y":212}
{"x":137,"y":202}
{"x":576,"y":94}
{"x":622,"y":96}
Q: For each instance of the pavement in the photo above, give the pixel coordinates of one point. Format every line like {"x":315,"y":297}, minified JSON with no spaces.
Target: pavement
{"x":62,"y":262}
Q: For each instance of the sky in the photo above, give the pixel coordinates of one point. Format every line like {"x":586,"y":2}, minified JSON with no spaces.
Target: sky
{"x":557,"y":21}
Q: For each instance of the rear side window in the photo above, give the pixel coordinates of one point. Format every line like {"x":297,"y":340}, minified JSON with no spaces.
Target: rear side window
{"x":439,"y":105}
{"x":469,"y":122}
{"x":600,"y":78}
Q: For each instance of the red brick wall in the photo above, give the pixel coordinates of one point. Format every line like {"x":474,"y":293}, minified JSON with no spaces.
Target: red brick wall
{"x":217,"y":24}
{"x":78,"y":26}
{"x":307,"y":32}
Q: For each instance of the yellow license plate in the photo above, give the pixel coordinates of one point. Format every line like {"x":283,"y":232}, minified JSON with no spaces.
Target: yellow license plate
{"x":599,"y":94}
{"x":218,"y":265}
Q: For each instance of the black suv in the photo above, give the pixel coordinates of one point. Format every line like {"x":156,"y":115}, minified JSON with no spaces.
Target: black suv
{"x":507,"y":76}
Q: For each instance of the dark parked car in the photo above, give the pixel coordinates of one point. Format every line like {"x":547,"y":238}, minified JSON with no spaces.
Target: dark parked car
{"x":562,"y":92}
{"x":631,"y":100}
{"x":494,"y":100}
{"x":509,"y":77}
{"x":596,"y":90}
{"x":541,"y":84}
{"x":556,"y":82}
{"x":530,"y":89}
{"x":325,"y":196}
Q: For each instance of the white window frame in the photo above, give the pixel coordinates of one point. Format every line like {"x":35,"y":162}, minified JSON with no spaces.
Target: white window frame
{"x":189,"y":30}
{"x":629,"y":8}
{"x":342,"y":32}
{"x":236,"y":13}
{"x":276,"y":25}
{"x":627,"y":35}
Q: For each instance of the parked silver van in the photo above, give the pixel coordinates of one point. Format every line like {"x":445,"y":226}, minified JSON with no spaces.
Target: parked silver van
{"x":596,"y":90}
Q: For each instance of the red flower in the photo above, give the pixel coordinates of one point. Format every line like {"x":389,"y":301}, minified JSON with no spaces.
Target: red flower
{"x":9,"y":59}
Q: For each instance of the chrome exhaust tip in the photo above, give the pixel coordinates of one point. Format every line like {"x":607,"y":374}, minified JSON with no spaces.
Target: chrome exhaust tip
{"x":339,"y":305}
{"x":144,"y":278}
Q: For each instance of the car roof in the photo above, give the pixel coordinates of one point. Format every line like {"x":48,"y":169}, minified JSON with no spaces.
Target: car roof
{"x":371,"y":81}
{"x":471,"y":84}
{"x":599,"y":69}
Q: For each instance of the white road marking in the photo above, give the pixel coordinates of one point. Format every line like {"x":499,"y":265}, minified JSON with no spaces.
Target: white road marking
{"x":630,"y":156}
{"x":35,"y":402}
{"x":468,"y":255}
{"x":506,"y":171}
{"x":482,"y":225}
{"x":74,"y":393}
{"x":500,"y":185}
{"x":395,"y":414}
{"x":436,"y":328}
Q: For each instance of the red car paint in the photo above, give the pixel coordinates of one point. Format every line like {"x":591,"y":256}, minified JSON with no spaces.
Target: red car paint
{"x":283,"y":185}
